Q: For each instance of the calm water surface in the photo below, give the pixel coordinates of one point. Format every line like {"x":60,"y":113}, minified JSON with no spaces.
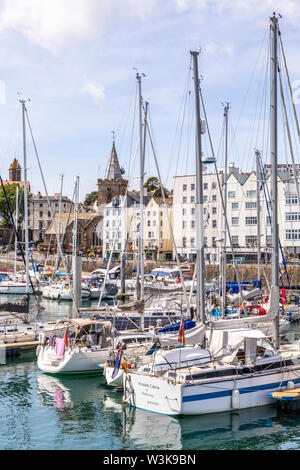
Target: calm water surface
{"x":38,"y":411}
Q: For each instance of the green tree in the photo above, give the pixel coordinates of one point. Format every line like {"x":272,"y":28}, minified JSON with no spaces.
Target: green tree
{"x":11,"y":190}
{"x":152,"y":184}
{"x":90,"y":198}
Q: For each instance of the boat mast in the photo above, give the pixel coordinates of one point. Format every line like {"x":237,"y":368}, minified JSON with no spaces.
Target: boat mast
{"x":274,"y":161}
{"x":142,"y":165}
{"x":16,"y":226}
{"x":224,"y":257}
{"x":200,"y":300}
{"x":258,"y":184}
{"x":25,"y":196}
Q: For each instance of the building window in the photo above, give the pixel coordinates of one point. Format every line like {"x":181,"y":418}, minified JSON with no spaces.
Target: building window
{"x":192,"y":199}
{"x":214,"y":198}
{"x":291,"y":200}
{"x":184,"y":242}
{"x":293,"y":234}
{"x":251,"y":193}
{"x":205,"y":186}
{"x":292,"y":216}
{"x":250,"y":205}
{"x":234,"y":206}
{"x":251,"y":239}
{"x":251,"y":220}
{"x":49,"y":214}
{"x":192,"y":224}
{"x":231,"y":194}
{"x":184,"y":200}
{"x":214,"y":210}
{"x":235,"y":221}
{"x":205,"y":198}
{"x":214,"y":224}
{"x":214,"y":185}
{"x":193,"y":187}
{"x":149,"y":223}
{"x":41,"y":215}
{"x":192,"y":242}
{"x":41,"y":205}
{"x":184,"y":187}
{"x":269,"y":220}
{"x":235,"y":239}
{"x":193,"y":211}
{"x":183,"y":224}
{"x":183,"y":211}
{"x":213,"y":240}
{"x":41,"y":224}
{"x":269,"y":239}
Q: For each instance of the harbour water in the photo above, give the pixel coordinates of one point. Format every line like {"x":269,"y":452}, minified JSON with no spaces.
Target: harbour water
{"x":38,"y":411}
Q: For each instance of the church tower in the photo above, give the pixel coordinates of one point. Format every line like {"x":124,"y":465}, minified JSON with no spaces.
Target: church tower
{"x":113,"y":183}
{"x":15,"y":172}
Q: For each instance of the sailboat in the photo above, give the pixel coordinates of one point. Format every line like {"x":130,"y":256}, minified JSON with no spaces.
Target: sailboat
{"x":240,"y":366}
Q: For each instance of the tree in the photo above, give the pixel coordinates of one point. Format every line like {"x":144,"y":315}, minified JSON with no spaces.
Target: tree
{"x":90,"y":199}
{"x":11,"y":190}
{"x":153,"y":183}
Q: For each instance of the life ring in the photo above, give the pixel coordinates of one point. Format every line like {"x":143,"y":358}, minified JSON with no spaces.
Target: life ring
{"x":260,"y":311}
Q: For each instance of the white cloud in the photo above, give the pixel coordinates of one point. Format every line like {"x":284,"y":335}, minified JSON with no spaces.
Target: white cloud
{"x":54,"y":23}
{"x":214,"y":48}
{"x":96,"y":92}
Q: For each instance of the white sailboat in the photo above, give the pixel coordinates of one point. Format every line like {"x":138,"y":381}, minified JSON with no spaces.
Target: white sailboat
{"x":240,"y":365}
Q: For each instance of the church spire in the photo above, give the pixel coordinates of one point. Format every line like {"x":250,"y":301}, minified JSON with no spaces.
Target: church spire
{"x":113,"y":170}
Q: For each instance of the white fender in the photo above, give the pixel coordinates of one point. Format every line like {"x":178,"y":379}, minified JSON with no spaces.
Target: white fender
{"x":290,"y":385}
{"x":235,"y":399}
{"x":42,"y":338}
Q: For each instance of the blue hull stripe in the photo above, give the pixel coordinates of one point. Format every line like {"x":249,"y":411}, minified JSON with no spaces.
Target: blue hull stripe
{"x":227,"y":393}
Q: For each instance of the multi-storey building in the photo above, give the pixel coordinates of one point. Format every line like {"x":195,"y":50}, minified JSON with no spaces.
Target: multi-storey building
{"x":242,"y":215}
{"x":39,"y":217}
{"x":157,"y":230}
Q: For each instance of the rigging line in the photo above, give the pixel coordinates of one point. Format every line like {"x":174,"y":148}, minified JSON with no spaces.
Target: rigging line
{"x":112,"y":247}
{"x":62,"y":240}
{"x":251,"y":79}
{"x":263,"y":100}
{"x":186,"y":106}
{"x":167,"y":212}
{"x":16,"y":234}
{"x":253,"y":125}
{"x":132,"y":129}
{"x":183,"y":104}
{"x":222,"y":198}
{"x":289,"y":83}
{"x":48,"y":200}
{"x":289,"y":136}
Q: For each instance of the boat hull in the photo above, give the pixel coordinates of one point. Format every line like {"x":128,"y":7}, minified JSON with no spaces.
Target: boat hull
{"x":164,"y":396}
{"x":75,"y":361}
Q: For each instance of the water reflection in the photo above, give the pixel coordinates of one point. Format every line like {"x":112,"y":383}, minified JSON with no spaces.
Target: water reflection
{"x":86,"y":406}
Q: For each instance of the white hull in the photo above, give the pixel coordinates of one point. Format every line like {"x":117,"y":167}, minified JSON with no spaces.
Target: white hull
{"x":162,"y":395}
{"x":83,"y":360}
{"x":117,"y":381}
{"x":14,"y":289}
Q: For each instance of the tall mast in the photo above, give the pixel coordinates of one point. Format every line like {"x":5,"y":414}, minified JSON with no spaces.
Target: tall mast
{"x":16,"y":226}
{"x":199,"y":200}
{"x":142,"y":165}
{"x":274,"y":160}
{"x":224,"y":257}
{"x":258,"y":209}
{"x":25,"y":197}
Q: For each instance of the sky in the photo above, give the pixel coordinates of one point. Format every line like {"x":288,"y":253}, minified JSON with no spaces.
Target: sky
{"x":76,"y":60}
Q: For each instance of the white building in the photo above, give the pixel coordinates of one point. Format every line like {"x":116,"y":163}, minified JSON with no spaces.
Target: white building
{"x":242,"y":215}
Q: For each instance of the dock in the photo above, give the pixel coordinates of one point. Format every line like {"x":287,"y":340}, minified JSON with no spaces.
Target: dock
{"x":14,"y":349}
{"x":288,"y":400}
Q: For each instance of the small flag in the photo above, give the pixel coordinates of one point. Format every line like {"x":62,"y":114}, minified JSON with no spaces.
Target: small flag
{"x":181,"y":337}
{"x":260,"y":189}
{"x":66,"y":338}
{"x":283,"y":296}
{"x":118,"y":362}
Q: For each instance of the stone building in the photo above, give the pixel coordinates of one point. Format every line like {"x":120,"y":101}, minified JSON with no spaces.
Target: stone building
{"x":39,"y":216}
{"x":89,"y":233}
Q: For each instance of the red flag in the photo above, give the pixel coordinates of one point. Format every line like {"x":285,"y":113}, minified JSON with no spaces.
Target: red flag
{"x":283,"y":295}
{"x":66,"y":338}
{"x":181,"y":337}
